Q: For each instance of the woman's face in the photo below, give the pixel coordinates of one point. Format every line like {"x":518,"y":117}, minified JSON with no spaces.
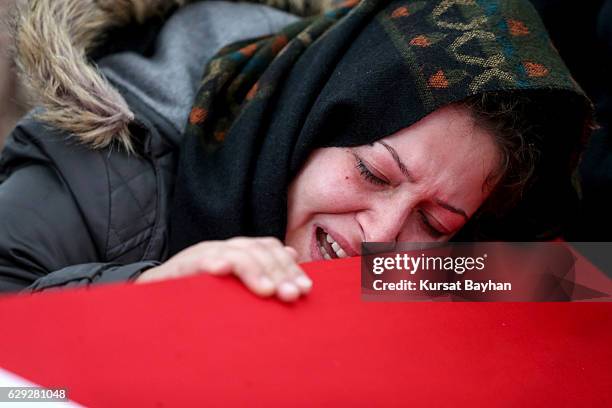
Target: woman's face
{"x":420,"y":184}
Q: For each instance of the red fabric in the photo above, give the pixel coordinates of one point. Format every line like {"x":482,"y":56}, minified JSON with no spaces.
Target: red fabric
{"x":207,"y":340}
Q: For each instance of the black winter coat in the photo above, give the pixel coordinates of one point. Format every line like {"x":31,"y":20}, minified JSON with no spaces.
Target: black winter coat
{"x":72,"y":214}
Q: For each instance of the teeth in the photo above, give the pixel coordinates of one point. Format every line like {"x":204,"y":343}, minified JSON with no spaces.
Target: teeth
{"x":324,"y":252}
{"x":340,"y":253}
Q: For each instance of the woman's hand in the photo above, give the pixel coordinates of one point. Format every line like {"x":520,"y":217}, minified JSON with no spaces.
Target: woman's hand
{"x":264,"y":265}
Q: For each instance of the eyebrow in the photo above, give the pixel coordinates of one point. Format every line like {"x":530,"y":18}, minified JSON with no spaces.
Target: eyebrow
{"x":412,"y":179}
{"x":452,"y":209}
{"x":399,"y":162}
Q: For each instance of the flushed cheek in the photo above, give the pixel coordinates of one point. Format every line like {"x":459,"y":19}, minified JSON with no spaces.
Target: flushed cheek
{"x":328,"y":186}
{"x":339,"y":194}
{"x":325,"y":184}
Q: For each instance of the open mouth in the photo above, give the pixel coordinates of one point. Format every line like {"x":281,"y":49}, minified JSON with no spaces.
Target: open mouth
{"x":329,"y":248}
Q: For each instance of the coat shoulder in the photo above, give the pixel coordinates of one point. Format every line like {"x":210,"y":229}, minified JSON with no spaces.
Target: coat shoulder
{"x":120,"y":196}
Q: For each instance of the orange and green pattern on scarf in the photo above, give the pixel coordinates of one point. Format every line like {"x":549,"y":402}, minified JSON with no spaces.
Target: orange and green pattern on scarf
{"x":471,"y":46}
{"x":453,"y":47}
{"x":244,"y":70}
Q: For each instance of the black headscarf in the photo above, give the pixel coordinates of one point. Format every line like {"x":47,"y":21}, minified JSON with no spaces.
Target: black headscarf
{"x":350,"y":77}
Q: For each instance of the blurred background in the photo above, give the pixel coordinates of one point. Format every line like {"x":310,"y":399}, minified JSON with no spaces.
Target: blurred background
{"x":12,"y":105}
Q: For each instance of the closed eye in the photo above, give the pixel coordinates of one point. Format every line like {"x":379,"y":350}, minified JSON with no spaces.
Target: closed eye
{"x":367,"y":174}
{"x":431,"y":230}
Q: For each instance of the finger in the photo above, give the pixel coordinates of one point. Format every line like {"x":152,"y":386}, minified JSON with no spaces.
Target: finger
{"x":288,"y":292}
{"x":285,"y":258}
{"x":262,"y":250}
{"x":250,"y":271}
{"x":292,"y":252}
{"x":302,"y":280}
{"x":218,"y":258}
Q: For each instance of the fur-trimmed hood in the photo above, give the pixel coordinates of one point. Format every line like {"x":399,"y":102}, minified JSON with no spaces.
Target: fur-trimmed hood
{"x":52,"y":39}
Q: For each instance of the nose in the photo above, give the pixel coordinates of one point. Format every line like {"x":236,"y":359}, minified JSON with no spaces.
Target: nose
{"x":385,"y":217}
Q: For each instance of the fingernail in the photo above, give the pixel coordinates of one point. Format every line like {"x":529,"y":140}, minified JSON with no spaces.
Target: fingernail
{"x":288,"y":291}
{"x":303,"y":282}
{"x":266,"y":284}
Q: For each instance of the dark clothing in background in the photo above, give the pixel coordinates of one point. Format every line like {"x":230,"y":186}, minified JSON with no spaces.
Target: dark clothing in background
{"x":582,"y":32}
